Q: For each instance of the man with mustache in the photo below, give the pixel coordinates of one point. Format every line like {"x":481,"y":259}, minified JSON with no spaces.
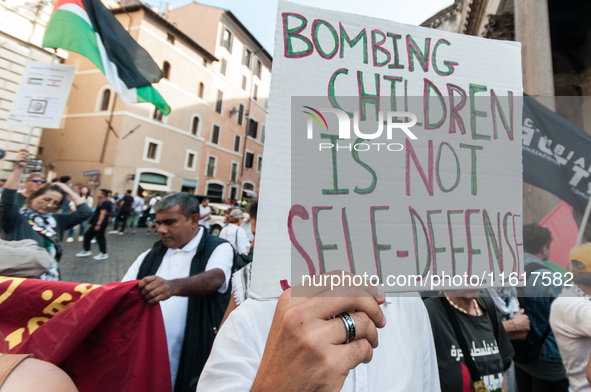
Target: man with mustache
{"x":188,"y":273}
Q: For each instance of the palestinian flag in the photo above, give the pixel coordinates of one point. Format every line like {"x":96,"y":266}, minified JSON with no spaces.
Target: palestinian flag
{"x":88,"y":28}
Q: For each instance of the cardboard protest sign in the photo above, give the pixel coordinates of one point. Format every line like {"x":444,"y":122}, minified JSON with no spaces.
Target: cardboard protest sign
{"x":392,"y":152}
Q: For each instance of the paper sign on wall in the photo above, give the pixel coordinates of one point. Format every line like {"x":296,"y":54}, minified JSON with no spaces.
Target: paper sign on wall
{"x":392,"y":152}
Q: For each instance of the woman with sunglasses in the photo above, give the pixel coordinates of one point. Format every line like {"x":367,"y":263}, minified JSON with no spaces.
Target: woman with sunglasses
{"x":36,"y":219}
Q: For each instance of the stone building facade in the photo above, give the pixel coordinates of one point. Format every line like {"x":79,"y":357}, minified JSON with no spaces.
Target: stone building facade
{"x":556,"y":58}
{"x":234,"y":132}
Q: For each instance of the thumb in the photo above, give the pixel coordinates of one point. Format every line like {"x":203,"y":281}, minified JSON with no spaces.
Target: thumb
{"x":521,"y":311}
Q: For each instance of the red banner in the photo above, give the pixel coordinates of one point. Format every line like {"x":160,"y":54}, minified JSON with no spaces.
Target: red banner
{"x":107,"y":338}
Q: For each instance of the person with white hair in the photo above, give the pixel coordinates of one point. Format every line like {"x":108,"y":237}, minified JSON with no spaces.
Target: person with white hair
{"x":235,"y":234}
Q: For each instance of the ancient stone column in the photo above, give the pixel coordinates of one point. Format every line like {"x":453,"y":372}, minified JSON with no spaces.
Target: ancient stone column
{"x":532,"y":29}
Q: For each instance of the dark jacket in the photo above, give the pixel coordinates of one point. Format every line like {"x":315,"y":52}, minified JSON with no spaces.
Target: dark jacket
{"x":539,"y":298}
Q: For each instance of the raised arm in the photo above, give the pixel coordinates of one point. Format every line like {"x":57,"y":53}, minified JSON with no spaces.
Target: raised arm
{"x":20,"y":161}
{"x":73,"y":195}
{"x":8,"y":205}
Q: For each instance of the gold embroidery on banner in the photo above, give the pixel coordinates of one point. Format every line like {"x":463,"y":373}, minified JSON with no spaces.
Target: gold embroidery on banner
{"x":11,"y":288}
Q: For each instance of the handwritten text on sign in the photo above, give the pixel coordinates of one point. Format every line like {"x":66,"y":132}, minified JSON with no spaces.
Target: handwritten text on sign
{"x":413,"y":165}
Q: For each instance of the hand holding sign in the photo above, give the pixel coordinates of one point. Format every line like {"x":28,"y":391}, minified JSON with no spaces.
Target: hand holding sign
{"x":22,"y":158}
{"x":305,"y":349}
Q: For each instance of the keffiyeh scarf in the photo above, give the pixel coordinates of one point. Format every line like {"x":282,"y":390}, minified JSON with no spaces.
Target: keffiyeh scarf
{"x":46,"y":225}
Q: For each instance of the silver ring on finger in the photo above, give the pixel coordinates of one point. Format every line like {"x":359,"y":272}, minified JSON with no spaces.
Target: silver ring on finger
{"x":349,"y":325}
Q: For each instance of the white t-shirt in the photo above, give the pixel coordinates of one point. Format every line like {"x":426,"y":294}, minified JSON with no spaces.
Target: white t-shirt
{"x":570,"y":318}
{"x":246,"y":227}
{"x":177,"y":264}
{"x":138,"y":204}
{"x":236,"y":236}
{"x":202,"y":211}
{"x":153,"y":202}
{"x":404,"y":361}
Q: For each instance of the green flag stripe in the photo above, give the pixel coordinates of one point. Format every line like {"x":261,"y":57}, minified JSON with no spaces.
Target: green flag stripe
{"x":151,"y":95}
{"x":67,"y":30}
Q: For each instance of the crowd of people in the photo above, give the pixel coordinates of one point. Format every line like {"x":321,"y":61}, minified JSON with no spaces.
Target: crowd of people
{"x":220,"y":337}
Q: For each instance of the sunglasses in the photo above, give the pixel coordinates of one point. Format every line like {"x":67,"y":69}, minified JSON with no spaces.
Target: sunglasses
{"x":35,"y":180}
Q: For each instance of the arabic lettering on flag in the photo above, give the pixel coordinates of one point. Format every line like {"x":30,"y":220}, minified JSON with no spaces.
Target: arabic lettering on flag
{"x":88,"y":28}
{"x":556,"y":154}
{"x":107,"y":338}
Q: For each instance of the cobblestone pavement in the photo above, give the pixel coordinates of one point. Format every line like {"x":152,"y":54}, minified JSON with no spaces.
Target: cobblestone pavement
{"x":122,"y":250}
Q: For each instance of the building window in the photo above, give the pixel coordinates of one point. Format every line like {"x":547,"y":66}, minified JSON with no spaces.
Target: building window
{"x":219,"y":101}
{"x":246,"y":58}
{"x":166,"y":70}
{"x":195,"y":126}
{"x":244,"y":80}
{"x":158,"y":116}
{"x":249,"y":160}
{"x":223,"y":66}
{"x":252,"y":128}
{"x":210,"y":170}
{"x":190,"y":160}
{"x":237,"y":143}
{"x":215,"y":192}
{"x":105,"y":100}
{"x":240,"y":117}
{"x":234,"y":173}
{"x":233,"y":193}
{"x":152,"y":151}
{"x":255,"y":92}
{"x":215,"y":134}
{"x":257,"y":68}
{"x":201,"y":88}
{"x":227,"y":40}
{"x":262,"y":134}
{"x":170,"y":38}
{"x":260,"y":164}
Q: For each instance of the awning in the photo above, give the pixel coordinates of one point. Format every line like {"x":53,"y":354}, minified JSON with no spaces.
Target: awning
{"x":249,"y":193}
{"x":154,"y":187}
{"x":189,"y":183}
{"x":153,"y":178}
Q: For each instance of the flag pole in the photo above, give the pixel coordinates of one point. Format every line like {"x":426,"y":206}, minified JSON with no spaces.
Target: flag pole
{"x":584,"y":223}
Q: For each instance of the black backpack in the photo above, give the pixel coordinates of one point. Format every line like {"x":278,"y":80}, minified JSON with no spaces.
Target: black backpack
{"x":529,"y":349}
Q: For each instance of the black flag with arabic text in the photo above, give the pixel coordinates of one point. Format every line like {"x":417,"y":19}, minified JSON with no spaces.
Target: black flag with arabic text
{"x":556,"y":154}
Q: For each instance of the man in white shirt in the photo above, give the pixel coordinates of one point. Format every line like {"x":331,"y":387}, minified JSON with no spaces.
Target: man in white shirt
{"x":204,"y":213}
{"x":188,"y":273}
{"x":295,"y":344}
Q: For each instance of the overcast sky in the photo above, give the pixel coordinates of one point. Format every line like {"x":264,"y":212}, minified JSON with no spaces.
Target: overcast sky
{"x":259,"y":15}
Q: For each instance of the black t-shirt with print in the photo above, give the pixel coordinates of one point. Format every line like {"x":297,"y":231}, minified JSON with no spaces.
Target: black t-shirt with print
{"x":127,"y":203}
{"x":491,"y":356}
{"x":104,"y":205}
